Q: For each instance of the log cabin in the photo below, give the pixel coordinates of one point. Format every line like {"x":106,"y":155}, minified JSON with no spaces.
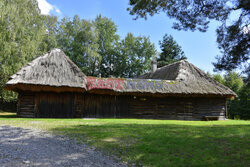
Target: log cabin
{"x":49,"y":86}
{"x":53,"y":86}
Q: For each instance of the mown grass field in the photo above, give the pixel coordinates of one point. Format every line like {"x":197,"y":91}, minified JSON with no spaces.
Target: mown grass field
{"x":154,"y":142}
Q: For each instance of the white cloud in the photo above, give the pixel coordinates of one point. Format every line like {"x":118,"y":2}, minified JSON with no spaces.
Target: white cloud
{"x":58,"y":11}
{"x":46,"y":7}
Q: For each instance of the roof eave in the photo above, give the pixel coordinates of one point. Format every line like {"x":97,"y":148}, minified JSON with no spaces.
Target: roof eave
{"x":19,"y":87}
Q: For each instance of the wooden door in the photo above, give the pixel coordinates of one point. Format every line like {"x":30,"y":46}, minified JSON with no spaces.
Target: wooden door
{"x":99,"y":106}
{"x":55,"y":105}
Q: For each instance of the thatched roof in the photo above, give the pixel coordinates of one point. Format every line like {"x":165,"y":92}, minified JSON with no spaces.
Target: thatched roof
{"x":53,"y":71}
{"x":137,"y":87}
{"x":177,"y":79}
{"x":189,"y":80}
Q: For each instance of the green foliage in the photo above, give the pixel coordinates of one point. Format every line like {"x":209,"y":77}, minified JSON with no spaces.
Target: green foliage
{"x":232,"y":36}
{"x":79,"y":40}
{"x":239,"y":107}
{"x":233,"y":39}
{"x":193,"y":14}
{"x":170,"y":51}
{"x":219,"y":78}
{"x":234,"y":81}
{"x":97,"y":49}
{"x":135,"y":55}
{"x":23,"y":36}
{"x":107,"y":41}
{"x":49,"y":38}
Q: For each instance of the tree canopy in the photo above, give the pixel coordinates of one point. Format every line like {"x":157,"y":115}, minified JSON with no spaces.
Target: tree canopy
{"x":170,"y":51}
{"x":98,"y":50}
{"x":77,"y":38}
{"x":107,"y":41}
{"x":134,"y":56}
{"x":239,"y":107}
{"x":24,"y":34}
{"x":232,"y":36}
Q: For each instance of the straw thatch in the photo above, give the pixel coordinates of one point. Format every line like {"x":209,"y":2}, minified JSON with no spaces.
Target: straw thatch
{"x":178,"y":79}
{"x":189,"y":80}
{"x":53,"y":71}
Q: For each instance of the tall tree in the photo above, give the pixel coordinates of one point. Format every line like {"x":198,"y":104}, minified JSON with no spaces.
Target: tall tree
{"x":232,"y":36}
{"x":239,"y":107}
{"x":97,"y":49}
{"x":22,"y":32}
{"x":107,"y":41}
{"x":234,"y":81}
{"x":79,"y":40}
{"x":170,"y":51}
{"x":135,"y":55}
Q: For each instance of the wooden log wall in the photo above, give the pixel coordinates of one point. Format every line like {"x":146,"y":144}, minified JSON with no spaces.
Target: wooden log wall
{"x":177,"y":108}
{"x":50,"y":105}
{"x":25,"y":105}
{"x":210,"y":107}
{"x":76,"y":105}
{"x":79,"y":101}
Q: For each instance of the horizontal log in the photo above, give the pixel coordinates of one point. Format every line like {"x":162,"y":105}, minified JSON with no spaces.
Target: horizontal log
{"x":21,"y":105}
{"x":24,"y":108}
{"x":26,"y":113}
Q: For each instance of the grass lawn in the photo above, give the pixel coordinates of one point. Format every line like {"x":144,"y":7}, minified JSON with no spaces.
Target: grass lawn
{"x":154,"y":142}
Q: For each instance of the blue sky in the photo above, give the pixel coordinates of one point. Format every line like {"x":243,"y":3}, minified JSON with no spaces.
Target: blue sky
{"x":200,"y":48}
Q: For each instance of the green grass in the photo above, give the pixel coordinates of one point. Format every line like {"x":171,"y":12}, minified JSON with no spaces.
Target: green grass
{"x":154,"y":142}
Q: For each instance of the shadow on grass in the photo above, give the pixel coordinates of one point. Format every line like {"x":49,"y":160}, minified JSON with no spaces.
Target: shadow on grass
{"x":168,"y":144}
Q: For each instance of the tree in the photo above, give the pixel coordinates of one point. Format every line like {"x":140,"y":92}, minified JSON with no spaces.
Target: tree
{"x":232,"y":37}
{"x":219,"y":78}
{"x":49,"y":38}
{"x":107,"y":41}
{"x":135,"y":55}
{"x":22,"y":33}
{"x":170,"y":51}
{"x":128,"y":57}
{"x":79,"y":40}
{"x":97,"y":49}
{"x":240,"y":106}
{"x":234,"y":81}
{"x":243,"y":109}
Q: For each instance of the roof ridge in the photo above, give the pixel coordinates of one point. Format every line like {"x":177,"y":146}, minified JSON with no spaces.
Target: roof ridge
{"x":172,"y":64}
{"x":166,"y":66}
{"x":192,"y":78}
